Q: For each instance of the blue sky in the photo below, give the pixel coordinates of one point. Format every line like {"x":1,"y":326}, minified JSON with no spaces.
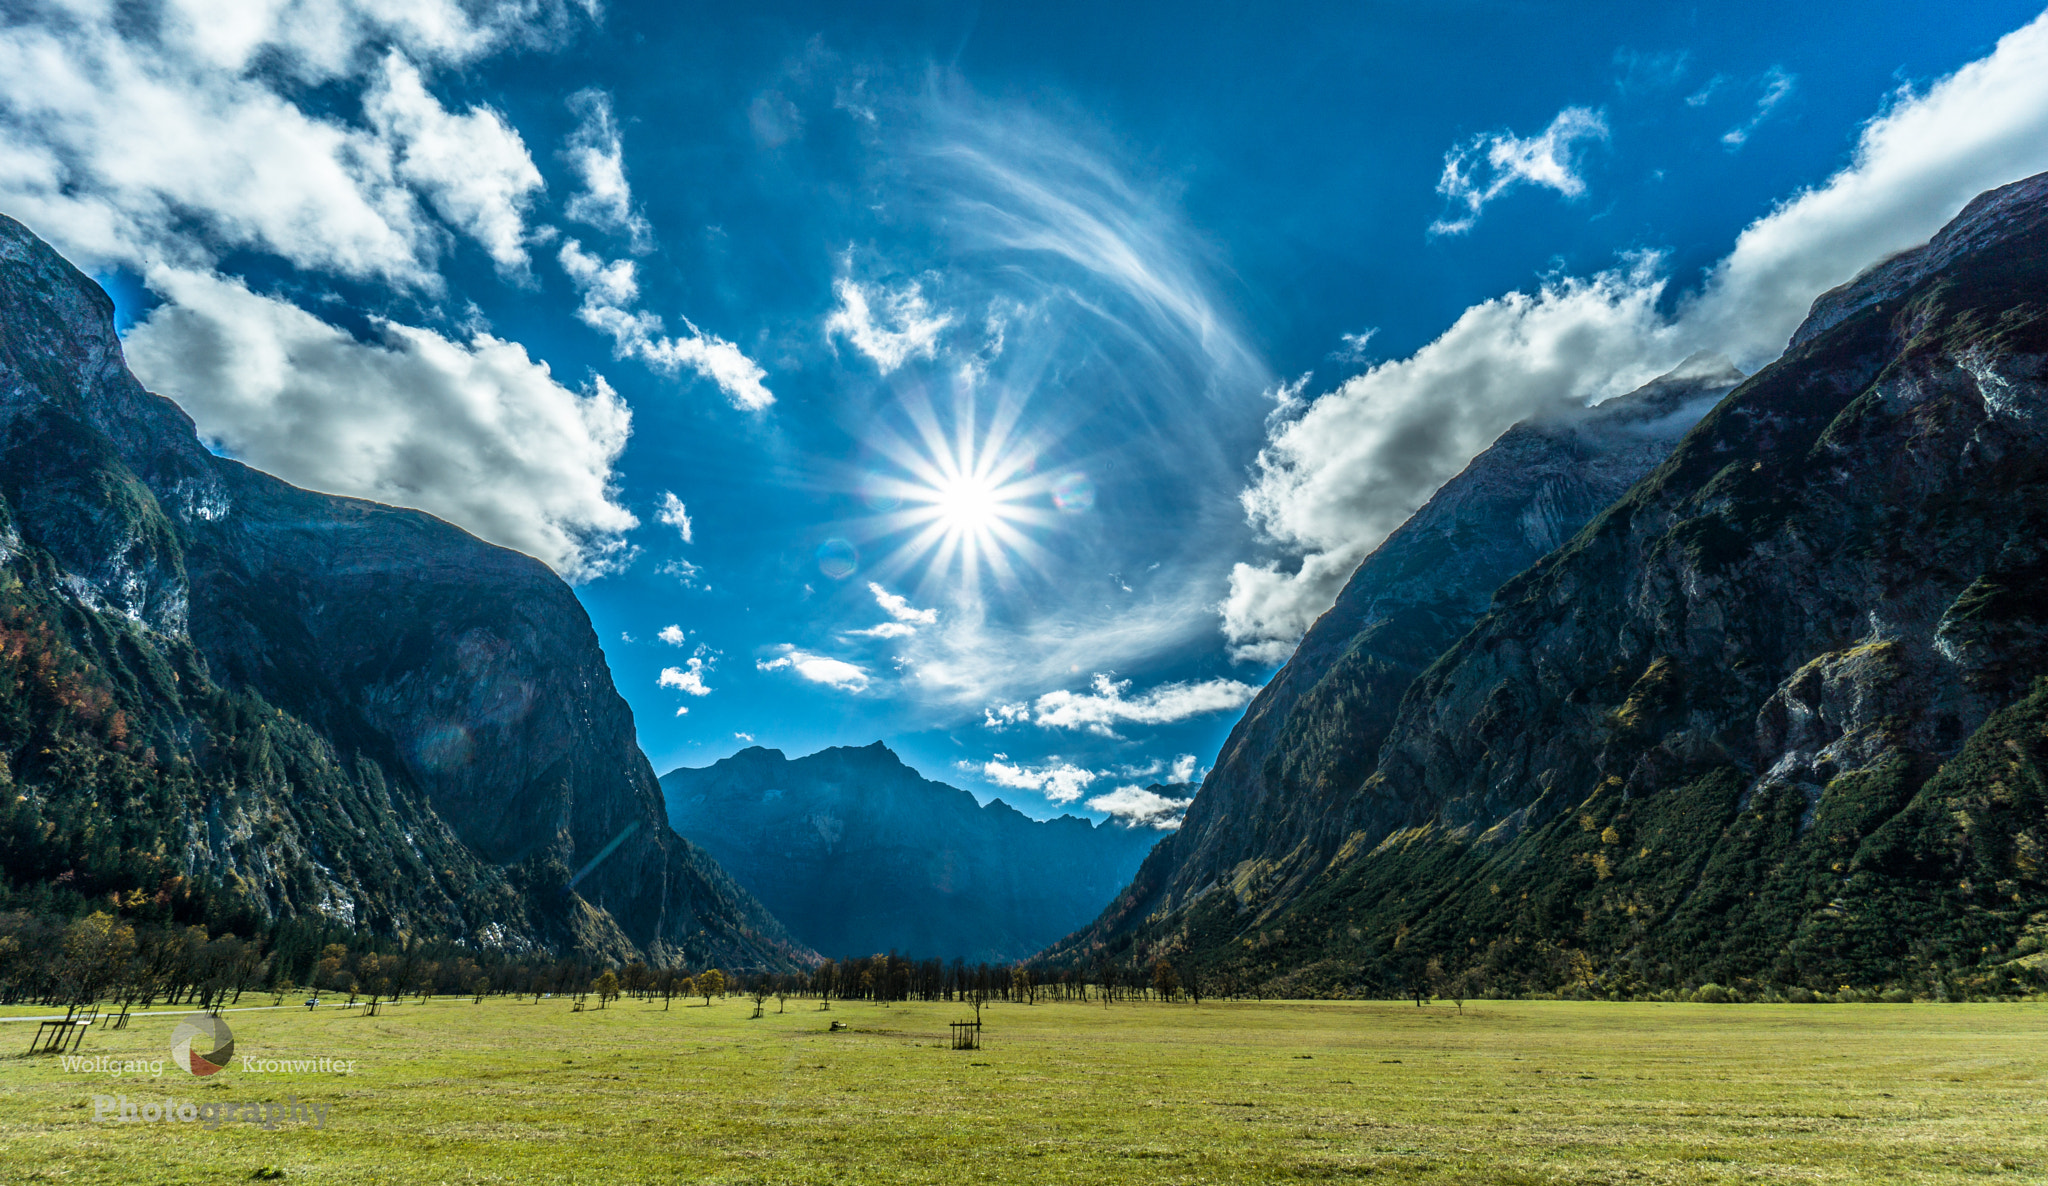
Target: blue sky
{"x":1008,"y":383}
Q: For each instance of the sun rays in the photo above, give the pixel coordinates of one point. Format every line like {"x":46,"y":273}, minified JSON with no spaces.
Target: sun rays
{"x":963,"y":504}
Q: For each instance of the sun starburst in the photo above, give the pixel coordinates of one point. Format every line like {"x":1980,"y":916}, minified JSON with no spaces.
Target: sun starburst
{"x":963,"y":503}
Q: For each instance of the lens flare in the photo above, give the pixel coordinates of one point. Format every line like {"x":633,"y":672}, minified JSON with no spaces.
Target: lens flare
{"x":1073,"y":492}
{"x":837,"y":559}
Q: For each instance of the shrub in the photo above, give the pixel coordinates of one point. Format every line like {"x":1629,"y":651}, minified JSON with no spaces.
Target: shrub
{"x":1711,"y":994}
{"x":1799,"y":995}
{"x":1896,"y":996}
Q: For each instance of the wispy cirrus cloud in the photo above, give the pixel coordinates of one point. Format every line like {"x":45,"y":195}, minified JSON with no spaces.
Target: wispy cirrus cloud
{"x":1777,"y":87}
{"x":904,"y":618}
{"x":1493,"y":163}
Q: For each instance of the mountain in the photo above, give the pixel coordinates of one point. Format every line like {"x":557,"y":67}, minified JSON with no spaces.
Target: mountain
{"x":220,"y":691}
{"x":1776,"y":717}
{"x":1285,"y":791}
{"x":858,"y":854}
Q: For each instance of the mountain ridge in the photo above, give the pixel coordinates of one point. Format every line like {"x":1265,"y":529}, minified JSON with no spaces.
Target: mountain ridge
{"x":1773,"y":717}
{"x":859,"y":854}
{"x":1423,"y":586}
{"x":407,"y":686}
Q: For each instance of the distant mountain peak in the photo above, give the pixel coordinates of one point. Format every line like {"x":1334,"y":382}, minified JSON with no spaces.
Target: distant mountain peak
{"x":939,"y":873}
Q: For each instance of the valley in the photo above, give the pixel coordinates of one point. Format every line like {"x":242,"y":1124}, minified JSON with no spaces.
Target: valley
{"x":1139,"y":1091}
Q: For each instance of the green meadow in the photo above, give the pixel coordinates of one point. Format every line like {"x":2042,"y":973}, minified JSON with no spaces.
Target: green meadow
{"x":1498,"y":1093}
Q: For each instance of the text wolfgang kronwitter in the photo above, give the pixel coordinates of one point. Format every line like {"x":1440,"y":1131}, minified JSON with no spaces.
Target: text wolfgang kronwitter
{"x":100,"y":1064}
{"x":112,"y":1109}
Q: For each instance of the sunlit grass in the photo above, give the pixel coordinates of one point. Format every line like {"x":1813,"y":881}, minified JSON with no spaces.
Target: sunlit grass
{"x":1221,"y":1092}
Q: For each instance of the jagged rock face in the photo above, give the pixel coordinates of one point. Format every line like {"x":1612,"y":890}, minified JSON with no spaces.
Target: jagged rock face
{"x":859,"y":855}
{"x":1283,"y":796}
{"x":466,"y":676}
{"x":1772,"y":714}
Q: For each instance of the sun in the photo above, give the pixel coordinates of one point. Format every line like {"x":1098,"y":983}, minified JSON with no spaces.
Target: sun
{"x":968,"y":503}
{"x":964,"y":502}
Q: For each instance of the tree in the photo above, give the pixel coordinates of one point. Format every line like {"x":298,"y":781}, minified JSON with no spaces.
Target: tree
{"x":636,"y":977}
{"x":606,"y":987}
{"x":710,"y":983}
{"x":1164,"y":981}
{"x":759,"y":992}
{"x":687,"y":987}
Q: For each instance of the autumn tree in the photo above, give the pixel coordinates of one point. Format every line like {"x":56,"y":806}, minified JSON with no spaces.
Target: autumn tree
{"x":710,"y":983}
{"x":1165,"y":981}
{"x":606,"y":987}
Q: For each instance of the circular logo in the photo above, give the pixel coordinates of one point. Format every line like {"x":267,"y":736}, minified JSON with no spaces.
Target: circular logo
{"x":202,"y":1044}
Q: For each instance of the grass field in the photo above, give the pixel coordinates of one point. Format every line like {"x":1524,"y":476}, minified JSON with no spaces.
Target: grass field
{"x":1504,"y":1093}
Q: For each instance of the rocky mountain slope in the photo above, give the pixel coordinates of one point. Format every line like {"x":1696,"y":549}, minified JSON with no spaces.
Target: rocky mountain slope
{"x":1282,"y":798}
{"x":1775,"y":716}
{"x":858,"y":854}
{"x":214,"y":685}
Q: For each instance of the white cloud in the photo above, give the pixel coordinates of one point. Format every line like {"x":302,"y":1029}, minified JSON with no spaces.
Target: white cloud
{"x":176,"y":134}
{"x":1337,"y":478}
{"x":166,"y":137}
{"x":1333,"y":481}
{"x":472,"y":167}
{"x":1061,"y":782}
{"x":475,"y":432}
{"x":671,"y":511}
{"x":1101,"y":710}
{"x":904,"y":617}
{"x":597,"y":154}
{"x":748,"y":737}
{"x":1493,"y":163}
{"x":672,"y":635}
{"x":818,"y":669}
{"x":1184,"y":768}
{"x":1141,"y":808}
{"x":906,"y":327}
{"x":899,"y":608}
{"x":686,"y":573}
{"x":1353,"y":347}
{"x":682,"y":680}
{"x":1777,"y":86}
{"x":996,"y":716}
{"x":610,"y":289}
